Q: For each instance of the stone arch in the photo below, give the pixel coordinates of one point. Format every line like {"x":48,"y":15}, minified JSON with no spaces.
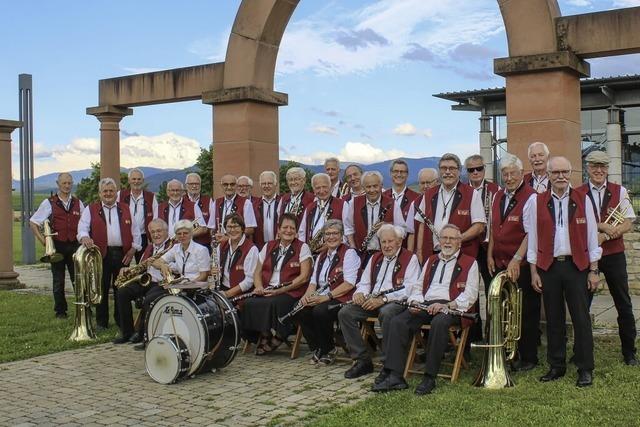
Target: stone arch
{"x":522,"y":19}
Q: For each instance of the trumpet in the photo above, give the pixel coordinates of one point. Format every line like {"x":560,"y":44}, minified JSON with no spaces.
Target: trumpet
{"x":374,"y":228}
{"x":368,"y":297}
{"x":299,"y":305}
{"x":424,"y":307}
{"x":617,"y":215}
{"x":251,"y":294}
{"x":138,"y":273}
{"x":50,"y":254}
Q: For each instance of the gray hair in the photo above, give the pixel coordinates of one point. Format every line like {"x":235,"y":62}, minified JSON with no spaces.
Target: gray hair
{"x":398,"y":162}
{"x":396,"y":229}
{"x":249,"y":180}
{"x":538,"y":144}
{"x":371,"y":173}
{"x":451,"y":226}
{"x":315,"y":177}
{"x":106,"y":181}
{"x":432,"y":170}
{"x":450,"y":156}
{"x":296,"y":170}
{"x":161,"y":222}
{"x":509,"y":160}
{"x":268,"y":173}
{"x":175,"y":181}
{"x":332,"y":160}
{"x":135,"y":170}
{"x":473,"y":157}
{"x":193,"y":175}
{"x":183,"y":224}
{"x":333,"y":223}
{"x":61,"y":174}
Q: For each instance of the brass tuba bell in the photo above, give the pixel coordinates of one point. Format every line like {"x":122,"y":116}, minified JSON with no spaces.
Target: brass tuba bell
{"x":504,"y":318}
{"x":88,"y":287}
{"x":50,"y":254}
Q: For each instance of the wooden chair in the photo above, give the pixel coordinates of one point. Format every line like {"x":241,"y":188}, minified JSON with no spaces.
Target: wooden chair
{"x":458,"y":345}
{"x":295,"y":346}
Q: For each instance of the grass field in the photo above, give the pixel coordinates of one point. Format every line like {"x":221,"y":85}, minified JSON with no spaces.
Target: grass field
{"x":17,"y":245}
{"x":37,"y":199}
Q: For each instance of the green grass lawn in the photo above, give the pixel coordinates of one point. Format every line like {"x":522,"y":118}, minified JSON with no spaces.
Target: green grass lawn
{"x":17,"y":245}
{"x":37,"y":199}
{"x":28,"y":327}
{"x":613,"y":400}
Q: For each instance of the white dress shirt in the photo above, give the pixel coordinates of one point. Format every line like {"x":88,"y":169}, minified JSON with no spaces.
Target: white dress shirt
{"x":540,"y":184}
{"x":249,"y":266}
{"x":335,"y":190}
{"x":305,"y":253}
{"x":174,"y":216}
{"x":385,"y":277}
{"x":318,"y":220}
{"x":561,"y":242}
{"x":269,"y":210}
{"x":439,"y":288}
{"x":114,"y":236}
{"x":45,"y":210}
{"x":373,"y":210}
{"x":350,"y":266}
{"x":189,"y":263}
{"x":136,"y":207}
{"x":156,"y":275}
{"x":247,"y":213}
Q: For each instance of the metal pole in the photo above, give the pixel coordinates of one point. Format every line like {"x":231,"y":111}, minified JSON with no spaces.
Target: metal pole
{"x":25,"y":101}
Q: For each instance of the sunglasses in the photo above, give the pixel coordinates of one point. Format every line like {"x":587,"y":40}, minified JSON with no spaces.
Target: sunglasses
{"x":478,"y":169}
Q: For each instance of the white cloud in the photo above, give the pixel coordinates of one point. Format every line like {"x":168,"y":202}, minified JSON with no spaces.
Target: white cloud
{"x":167,"y":150}
{"x":351,"y":152}
{"x":328,"y":130}
{"x":579,"y":3}
{"x":408,"y":129}
{"x":626,"y":3}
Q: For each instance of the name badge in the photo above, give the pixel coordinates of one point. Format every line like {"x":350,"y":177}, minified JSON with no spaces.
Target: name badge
{"x":461,"y":285}
{"x":127,"y":222}
{"x":400,"y":281}
{"x":513,"y":218}
{"x":294,"y":264}
{"x":463,"y":212}
{"x":581,"y":220}
{"x":75,"y":213}
{"x":239,"y":267}
{"x":339,"y":270}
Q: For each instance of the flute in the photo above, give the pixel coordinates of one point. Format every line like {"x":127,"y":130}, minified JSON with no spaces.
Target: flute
{"x":299,"y":305}
{"x":253,"y":294}
{"x":451,"y":311}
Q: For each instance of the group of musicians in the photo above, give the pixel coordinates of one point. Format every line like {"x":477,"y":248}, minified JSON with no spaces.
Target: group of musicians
{"x":349,"y":251}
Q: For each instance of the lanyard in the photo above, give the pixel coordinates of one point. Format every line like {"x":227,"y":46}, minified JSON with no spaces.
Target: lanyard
{"x":386,"y":269}
{"x":184,"y":261}
{"x":445,"y":205}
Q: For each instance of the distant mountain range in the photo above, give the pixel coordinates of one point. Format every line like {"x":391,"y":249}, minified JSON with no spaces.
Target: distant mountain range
{"x":154,"y":177}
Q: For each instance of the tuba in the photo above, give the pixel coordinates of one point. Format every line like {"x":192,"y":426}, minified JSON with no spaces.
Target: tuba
{"x":50,"y":254}
{"x":504,"y":315}
{"x":88,"y":287}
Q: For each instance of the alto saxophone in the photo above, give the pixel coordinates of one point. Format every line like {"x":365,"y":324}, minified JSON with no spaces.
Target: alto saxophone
{"x":374,"y":228}
{"x":138,"y":273}
{"x":318,"y":239}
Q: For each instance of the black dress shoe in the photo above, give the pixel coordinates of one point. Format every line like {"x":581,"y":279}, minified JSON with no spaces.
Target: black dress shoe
{"x":61,"y":315}
{"x":585,"y":378}
{"x":631,"y":360}
{"x":135,"y":338}
{"x":552,"y":375}
{"x":426,"y":386}
{"x":140,"y":347}
{"x":384,"y":373}
{"x":359,"y":369}
{"x":390,"y":383}
{"x":101,"y":328}
{"x":521,"y":366}
{"x":121,"y":340}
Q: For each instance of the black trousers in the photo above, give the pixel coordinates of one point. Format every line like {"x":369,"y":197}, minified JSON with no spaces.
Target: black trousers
{"x":531,"y":302}
{"x":317,"y":326}
{"x":152,"y":294}
{"x":614,"y":267}
{"x":402,"y":330}
{"x":138,"y":254}
{"x":66,"y":249}
{"x":111,"y":265}
{"x":564,"y":282}
{"x":126,"y":296}
{"x":476,"y":330}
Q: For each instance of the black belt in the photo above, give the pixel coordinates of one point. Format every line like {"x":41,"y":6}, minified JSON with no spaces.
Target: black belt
{"x":563,"y":258}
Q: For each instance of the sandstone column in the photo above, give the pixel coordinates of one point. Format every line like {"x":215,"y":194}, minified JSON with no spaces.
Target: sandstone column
{"x":486,"y":141}
{"x":8,"y":277}
{"x":245,"y":132}
{"x":614,"y":144}
{"x":109,"y":117}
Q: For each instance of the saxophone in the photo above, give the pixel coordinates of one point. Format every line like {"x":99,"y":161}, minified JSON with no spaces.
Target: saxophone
{"x":318,"y":239}
{"x":138,"y":273}
{"x":374,"y":228}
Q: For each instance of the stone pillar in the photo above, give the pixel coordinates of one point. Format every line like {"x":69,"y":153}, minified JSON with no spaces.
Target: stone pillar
{"x":486,"y":146}
{"x":614,"y":144}
{"x":245,"y":132}
{"x":543,"y":104}
{"x":109,"y":117}
{"x":8,"y":277}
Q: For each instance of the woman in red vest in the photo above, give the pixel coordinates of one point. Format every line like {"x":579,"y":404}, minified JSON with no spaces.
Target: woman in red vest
{"x":284,"y":264}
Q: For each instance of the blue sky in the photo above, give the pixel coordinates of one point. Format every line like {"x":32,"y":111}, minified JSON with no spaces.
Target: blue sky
{"x":359,"y":74}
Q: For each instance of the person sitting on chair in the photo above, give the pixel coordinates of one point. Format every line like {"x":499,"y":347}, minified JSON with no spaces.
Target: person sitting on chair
{"x":449,"y":280}
{"x":186,"y":259}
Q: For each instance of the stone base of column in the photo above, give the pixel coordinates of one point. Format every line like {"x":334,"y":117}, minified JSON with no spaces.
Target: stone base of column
{"x":9,"y":280}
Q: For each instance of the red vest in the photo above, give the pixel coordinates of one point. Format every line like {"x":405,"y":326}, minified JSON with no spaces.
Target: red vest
{"x":236,"y":268}
{"x":609,"y":201}
{"x":402,"y":262}
{"x":258,"y":234}
{"x":458,"y":279}
{"x":98,"y":226}
{"x":335,"y":276}
{"x":546,"y":230}
{"x":62,"y":222}
{"x":508,"y":230}
{"x":236,"y":207}
{"x":203,"y":203}
{"x":407,"y":198}
{"x":290,"y":266}
{"x":460,"y":216}
{"x":361,"y":216}
{"x":149,"y":249}
{"x":186,"y":211}
{"x":147,"y":202}
{"x":334,"y":211}
{"x":307,"y":198}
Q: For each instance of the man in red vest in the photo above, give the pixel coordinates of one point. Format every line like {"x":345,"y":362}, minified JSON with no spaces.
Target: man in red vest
{"x":604,"y":197}
{"x":142,"y":204}
{"x":385,"y":279}
{"x":563,"y":254}
{"x":107,"y":224}
{"x":63,"y":212}
{"x":178,"y":208}
{"x":265,"y":209}
{"x":538,"y":154}
{"x":297,"y":198}
{"x":508,"y":251}
{"x":193,"y":183}
{"x":353,"y":177}
{"x":332,"y":168}
{"x":400,"y":193}
{"x":448,"y":281}
{"x":228,"y":204}
{"x":244,"y":188}
{"x":427,"y":178}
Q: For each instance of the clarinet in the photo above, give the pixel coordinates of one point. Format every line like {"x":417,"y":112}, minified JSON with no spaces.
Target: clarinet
{"x":299,"y":306}
{"x":373,"y":230}
{"x":214,"y":279}
{"x":427,"y":221}
{"x":368,"y":297}
{"x":252,"y":294}
{"x":424,"y":307}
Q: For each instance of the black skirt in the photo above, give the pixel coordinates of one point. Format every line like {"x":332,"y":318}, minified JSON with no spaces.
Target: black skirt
{"x":260,"y":314}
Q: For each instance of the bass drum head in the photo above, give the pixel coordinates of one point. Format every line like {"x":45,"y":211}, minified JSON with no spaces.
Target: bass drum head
{"x":226,"y":349}
{"x":166,"y":359}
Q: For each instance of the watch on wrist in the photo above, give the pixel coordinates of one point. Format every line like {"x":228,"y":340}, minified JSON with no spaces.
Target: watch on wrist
{"x":517,"y":257}
{"x":330,"y":295}
{"x":385,"y":299}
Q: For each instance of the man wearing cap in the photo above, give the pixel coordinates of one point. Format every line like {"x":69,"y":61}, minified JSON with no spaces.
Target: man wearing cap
{"x":605,"y":196}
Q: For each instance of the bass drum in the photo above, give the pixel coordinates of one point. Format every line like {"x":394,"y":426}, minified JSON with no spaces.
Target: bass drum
{"x":207,"y":323}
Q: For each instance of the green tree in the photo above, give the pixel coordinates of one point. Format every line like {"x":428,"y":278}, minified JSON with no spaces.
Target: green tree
{"x":283,"y":176}
{"x":161,"y":195}
{"x":87,"y":189}
{"x":204,"y":167}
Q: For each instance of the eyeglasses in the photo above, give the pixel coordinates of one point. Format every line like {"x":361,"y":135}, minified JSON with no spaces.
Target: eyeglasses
{"x":562,"y":172}
{"x":332,"y":233}
{"x":228,"y":184}
{"x":427,"y":182}
{"x":449,"y":168}
{"x":231,"y":226}
{"x":598,"y":166}
{"x":193,"y":183}
{"x":476,"y":169}
{"x":449,"y":239}
{"x":397,"y":172}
